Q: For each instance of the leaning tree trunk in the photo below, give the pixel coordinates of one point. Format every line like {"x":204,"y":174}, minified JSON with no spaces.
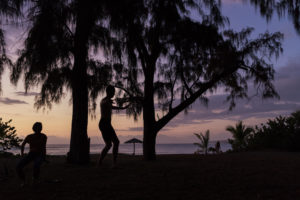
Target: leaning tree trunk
{"x":79,"y":145}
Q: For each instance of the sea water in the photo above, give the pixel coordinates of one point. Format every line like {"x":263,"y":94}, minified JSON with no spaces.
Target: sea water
{"x":62,"y":149}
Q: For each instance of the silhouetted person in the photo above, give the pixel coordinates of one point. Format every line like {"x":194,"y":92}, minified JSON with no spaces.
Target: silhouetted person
{"x":37,"y":153}
{"x":108,"y":133}
{"x":218,"y":147}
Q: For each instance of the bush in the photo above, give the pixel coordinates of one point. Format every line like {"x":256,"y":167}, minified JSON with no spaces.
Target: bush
{"x":8,"y":136}
{"x":282,"y":133}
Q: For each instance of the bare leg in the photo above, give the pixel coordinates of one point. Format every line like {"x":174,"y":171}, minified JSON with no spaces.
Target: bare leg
{"x":115,"y":151}
{"x":37,"y":165}
{"x":20,"y":173}
{"x":103,"y":153}
{"x":25,"y":160}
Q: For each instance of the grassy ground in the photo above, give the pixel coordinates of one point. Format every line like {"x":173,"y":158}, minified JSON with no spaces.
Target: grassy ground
{"x":267,"y":175}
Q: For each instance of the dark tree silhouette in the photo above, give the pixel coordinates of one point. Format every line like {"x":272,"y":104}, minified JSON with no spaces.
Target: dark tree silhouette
{"x":9,"y":10}
{"x":290,"y":8}
{"x":170,"y":59}
{"x":240,"y":134}
{"x":8,"y":136}
{"x":61,"y":35}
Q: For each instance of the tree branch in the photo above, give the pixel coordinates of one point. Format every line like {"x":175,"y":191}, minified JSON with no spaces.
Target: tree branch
{"x":144,"y":54}
{"x":172,"y":94}
{"x":185,"y":84}
{"x":184,"y":104}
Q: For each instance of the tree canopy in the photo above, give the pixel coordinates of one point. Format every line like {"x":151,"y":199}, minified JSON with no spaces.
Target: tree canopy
{"x":175,"y":52}
{"x":48,"y":56}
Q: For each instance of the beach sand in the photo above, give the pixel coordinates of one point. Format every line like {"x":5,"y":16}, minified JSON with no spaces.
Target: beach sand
{"x":250,"y":175}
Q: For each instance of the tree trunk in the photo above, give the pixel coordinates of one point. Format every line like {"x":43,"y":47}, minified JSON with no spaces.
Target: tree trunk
{"x":149,"y":144}
{"x":149,"y":116}
{"x":149,"y":133}
{"x":79,"y":145}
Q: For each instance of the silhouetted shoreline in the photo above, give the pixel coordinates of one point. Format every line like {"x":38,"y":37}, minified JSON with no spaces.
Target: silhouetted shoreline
{"x":248,"y":175}
{"x":185,"y":148}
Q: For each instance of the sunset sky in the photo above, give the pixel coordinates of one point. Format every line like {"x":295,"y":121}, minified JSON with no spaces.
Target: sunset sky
{"x":19,"y":107}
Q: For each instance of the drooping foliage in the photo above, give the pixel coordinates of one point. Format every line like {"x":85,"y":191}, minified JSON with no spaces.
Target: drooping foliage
{"x":48,"y":56}
{"x":290,"y":8}
{"x":185,"y":61}
{"x":9,"y":10}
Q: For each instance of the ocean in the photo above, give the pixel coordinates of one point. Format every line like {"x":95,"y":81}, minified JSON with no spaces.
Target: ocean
{"x":62,"y":149}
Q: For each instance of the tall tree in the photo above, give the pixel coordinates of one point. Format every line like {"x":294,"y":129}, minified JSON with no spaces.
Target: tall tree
{"x":175,"y":52}
{"x":56,"y":55}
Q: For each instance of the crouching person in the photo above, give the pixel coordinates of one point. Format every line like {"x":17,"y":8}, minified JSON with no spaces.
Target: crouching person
{"x":37,"y":153}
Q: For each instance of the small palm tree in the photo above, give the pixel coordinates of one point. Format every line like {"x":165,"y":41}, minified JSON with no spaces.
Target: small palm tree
{"x":240,"y":134}
{"x":204,"y":140}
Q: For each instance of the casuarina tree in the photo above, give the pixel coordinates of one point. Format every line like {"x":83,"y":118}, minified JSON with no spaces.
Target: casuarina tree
{"x":60,"y":55}
{"x":175,"y":52}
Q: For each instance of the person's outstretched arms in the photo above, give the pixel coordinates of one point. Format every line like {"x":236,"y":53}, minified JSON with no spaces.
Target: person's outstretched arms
{"x":120,"y":108}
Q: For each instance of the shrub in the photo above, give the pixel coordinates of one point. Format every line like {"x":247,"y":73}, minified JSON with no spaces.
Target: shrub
{"x":8,"y":136}
{"x":282,"y":133}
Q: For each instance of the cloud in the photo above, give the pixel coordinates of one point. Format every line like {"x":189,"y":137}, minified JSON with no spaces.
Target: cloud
{"x":287,"y":81}
{"x":9,"y":101}
{"x":27,"y":94}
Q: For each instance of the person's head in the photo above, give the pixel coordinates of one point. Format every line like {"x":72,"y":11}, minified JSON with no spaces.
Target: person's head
{"x":37,"y":127}
{"x":110,"y":91}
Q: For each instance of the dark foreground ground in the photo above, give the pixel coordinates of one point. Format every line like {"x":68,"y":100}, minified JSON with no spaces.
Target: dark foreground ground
{"x":267,"y":175}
